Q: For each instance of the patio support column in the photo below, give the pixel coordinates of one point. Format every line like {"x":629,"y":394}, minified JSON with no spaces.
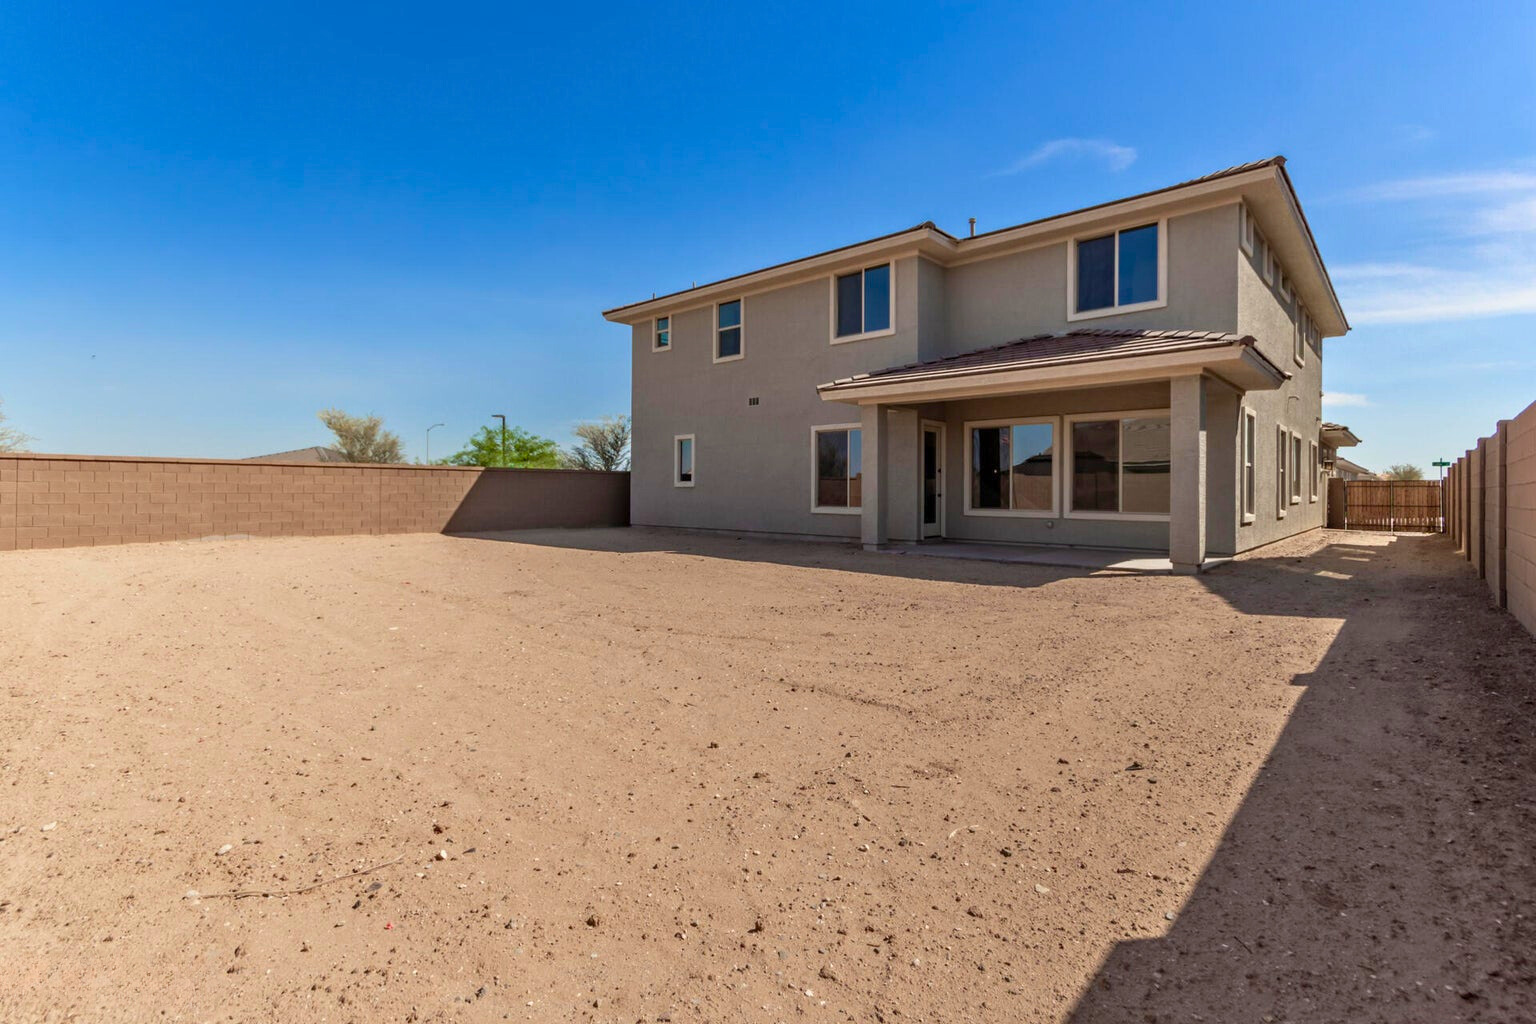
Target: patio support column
{"x":877,"y":459}
{"x":1187,"y":483}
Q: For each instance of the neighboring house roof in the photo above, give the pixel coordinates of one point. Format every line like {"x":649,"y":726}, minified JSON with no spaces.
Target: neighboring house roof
{"x":1079,"y":349}
{"x":1265,"y":184}
{"x":1342,"y":465}
{"x":1337,"y":435}
{"x":314,"y":453}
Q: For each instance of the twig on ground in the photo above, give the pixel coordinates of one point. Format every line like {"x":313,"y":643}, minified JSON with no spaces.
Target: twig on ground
{"x":243,"y":893}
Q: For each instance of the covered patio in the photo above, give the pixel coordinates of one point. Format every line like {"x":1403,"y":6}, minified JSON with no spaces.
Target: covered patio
{"x":1094,"y":439}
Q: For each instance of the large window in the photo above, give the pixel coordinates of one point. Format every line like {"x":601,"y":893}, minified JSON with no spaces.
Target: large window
{"x":863,"y":303}
{"x":1316,"y":473}
{"x":1118,"y":271}
{"x":682,"y":460}
{"x":1249,"y":443}
{"x":728,"y":331}
{"x":839,"y":454}
{"x":1121,"y":465}
{"x":1013,"y":467}
{"x":663,"y":338}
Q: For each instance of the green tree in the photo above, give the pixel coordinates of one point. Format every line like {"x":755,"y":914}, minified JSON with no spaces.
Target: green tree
{"x":11,"y":439}
{"x":1404,"y":471}
{"x":604,"y":445}
{"x":362,"y":438}
{"x":507,"y":447}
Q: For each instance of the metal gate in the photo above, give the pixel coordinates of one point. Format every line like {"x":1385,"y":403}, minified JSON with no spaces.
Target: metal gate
{"x":1414,"y":506}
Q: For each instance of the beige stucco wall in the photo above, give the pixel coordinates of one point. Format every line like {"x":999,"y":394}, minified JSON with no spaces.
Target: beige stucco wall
{"x":1005,"y":298}
{"x":1267,"y":315}
{"x":754,"y":466}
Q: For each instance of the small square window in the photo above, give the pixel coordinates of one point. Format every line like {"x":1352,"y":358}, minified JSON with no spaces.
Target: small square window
{"x":682,"y":460}
{"x":728,"y":341}
{"x":663,"y":338}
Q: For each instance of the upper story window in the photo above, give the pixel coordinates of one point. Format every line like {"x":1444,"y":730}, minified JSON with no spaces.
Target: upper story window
{"x":1302,"y":333}
{"x":1118,"y":272}
{"x":1245,"y":228}
{"x":1266,"y":260}
{"x":728,"y":341}
{"x":1285,"y":285}
{"x":663,"y":337}
{"x":862,"y":303}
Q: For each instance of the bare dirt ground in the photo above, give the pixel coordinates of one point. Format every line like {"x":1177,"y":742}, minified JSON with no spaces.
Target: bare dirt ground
{"x":640,"y":776}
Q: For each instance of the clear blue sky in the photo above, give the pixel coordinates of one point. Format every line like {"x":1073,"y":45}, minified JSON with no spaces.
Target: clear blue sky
{"x":216,"y":219}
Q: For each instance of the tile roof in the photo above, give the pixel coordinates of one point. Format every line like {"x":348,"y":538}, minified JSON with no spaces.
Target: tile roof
{"x":314,"y":453}
{"x":961,"y":243}
{"x":1079,"y":346}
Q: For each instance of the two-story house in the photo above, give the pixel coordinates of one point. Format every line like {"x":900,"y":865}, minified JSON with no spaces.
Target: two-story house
{"x":1142,"y":374}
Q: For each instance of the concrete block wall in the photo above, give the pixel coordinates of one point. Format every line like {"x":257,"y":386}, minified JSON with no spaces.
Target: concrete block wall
{"x":50,"y":501}
{"x":1494,"y":523}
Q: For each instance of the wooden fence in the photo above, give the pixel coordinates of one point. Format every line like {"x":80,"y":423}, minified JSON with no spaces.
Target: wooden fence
{"x":1393,"y":505}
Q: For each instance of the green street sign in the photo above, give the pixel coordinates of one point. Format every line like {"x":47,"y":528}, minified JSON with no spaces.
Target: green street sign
{"x":1442,"y":462}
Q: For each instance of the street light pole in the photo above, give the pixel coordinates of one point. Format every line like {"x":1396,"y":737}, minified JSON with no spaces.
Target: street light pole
{"x":499,"y":416}
{"x":429,"y":441}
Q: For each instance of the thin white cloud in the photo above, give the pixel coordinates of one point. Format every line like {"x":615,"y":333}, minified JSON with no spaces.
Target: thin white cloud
{"x":1477,"y":260}
{"x":1398,"y":295}
{"x":1343,"y":399}
{"x":1474,"y":183}
{"x":1113,"y":155}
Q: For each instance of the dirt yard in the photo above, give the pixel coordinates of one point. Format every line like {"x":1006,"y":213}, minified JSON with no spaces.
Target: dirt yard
{"x":638,"y":776}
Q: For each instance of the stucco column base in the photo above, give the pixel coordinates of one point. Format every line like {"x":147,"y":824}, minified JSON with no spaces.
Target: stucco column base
{"x":1186,"y":484}
{"x":873,"y":527}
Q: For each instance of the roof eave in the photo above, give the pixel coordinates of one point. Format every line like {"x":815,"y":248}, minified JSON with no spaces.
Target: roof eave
{"x":927,"y":239}
{"x":1238,"y":363}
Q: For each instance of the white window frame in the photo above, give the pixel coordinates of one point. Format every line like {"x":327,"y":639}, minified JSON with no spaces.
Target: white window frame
{"x":832,"y":316}
{"x":1282,"y":481}
{"x":1302,"y":329}
{"x":830,"y":510}
{"x":656,"y":334}
{"x":677,"y":459}
{"x":741,"y":327}
{"x":1116,"y":310}
{"x":1069,"y":458}
{"x":1245,"y":228}
{"x":1267,"y":264}
{"x":1054,"y":512}
{"x":1295,"y":481}
{"x":1317,"y":466}
{"x":1247,"y":455}
{"x":1286,"y":291}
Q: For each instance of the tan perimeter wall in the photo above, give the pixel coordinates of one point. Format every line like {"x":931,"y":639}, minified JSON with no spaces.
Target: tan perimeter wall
{"x":1494,"y":494}
{"x":50,"y":501}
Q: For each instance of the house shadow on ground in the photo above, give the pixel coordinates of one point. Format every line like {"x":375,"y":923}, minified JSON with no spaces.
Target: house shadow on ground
{"x":1380,"y":867}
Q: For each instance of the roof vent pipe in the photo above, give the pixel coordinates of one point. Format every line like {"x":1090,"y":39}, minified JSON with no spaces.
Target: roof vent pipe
{"x":973,"y":227}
